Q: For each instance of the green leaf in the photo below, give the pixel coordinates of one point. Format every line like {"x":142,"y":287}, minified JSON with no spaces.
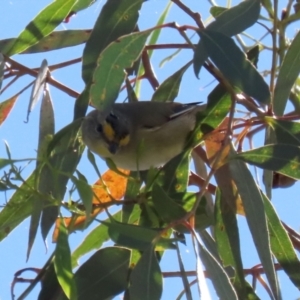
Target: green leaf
{"x":185,"y":282}
{"x":109,"y":73}
{"x":228,"y":242}
{"x":50,"y":288}
{"x":62,"y":263}
{"x":64,"y":152}
{"x":38,"y":86}
{"x":104,"y":274}
{"x":54,"y":41}
{"x":44,"y":174}
{"x":281,"y":245}
{"x":281,"y":158}
{"x":2,"y":65}
{"x":82,"y":4}
{"x":93,"y":240}
{"x":18,"y":208}
{"x":116,"y":19}
{"x":288,"y":73}
{"x":4,"y":162}
{"x":230,"y":22}
{"x":85,"y":192}
{"x":237,"y":18}
{"x":167,"y":209}
{"x":152,"y":41}
{"x":218,"y":276}
{"x":169,"y":89}
{"x":136,"y":237}
{"x":42,"y":25}
{"x":217,"y":108}
{"x":256,"y":218}
{"x":174,"y":175}
{"x":268,"y":5}
{"x":146,"y":278}
{"x":234,"y":65}
{"x":132,"y":190}
{"x":217,"y":10}
{"x":286,"y":132}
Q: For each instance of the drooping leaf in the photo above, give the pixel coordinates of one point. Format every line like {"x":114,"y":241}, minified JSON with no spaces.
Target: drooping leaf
{"x":47,"y":126}
{"x":42,"y":25}
{"x":217,"y":274}
{"x":185,"y":282}
{"x":281,"y":245}
{"x":44,"y":174}
{"x":109,"y":73}
{"x":234,"y":65}
{"x":62,"y":263}
{"x":64,"y":152}
{"x":228,"y":242}
{"x":146,"y":277}
{"x":201,"y":281}
{"x":38,"y":86}
{"x":288,"y":73}
{"x":256,"y":219}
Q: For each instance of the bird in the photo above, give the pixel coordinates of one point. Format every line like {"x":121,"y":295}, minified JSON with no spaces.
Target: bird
{"x":140,"y":135}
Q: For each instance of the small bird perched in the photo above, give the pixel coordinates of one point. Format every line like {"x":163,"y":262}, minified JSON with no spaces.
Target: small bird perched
{"x":140,"y":135}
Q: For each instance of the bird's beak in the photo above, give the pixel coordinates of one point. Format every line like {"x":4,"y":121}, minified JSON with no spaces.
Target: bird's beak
{"x":113,"y":147}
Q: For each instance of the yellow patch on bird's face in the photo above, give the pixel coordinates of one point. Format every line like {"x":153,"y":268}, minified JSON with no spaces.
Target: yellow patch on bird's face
{"x":125,"y":140}
{"x":108,"y":131}
{"x":110,"y":135}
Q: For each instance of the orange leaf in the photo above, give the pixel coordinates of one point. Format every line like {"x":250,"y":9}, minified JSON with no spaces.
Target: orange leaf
{"x":6,"y":106}
{"x":111,"y":187}
{"x":213,"y":144}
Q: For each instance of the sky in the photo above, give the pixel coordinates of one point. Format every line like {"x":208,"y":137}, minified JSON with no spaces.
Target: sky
{"x":22,"y":137}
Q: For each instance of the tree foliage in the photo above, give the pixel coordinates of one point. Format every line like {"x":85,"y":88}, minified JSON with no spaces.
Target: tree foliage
{"x":147,"y":214}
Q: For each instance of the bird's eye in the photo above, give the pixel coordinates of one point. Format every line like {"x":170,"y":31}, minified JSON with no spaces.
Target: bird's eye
{"x":99,"y":128}
{"x":112,"y":115}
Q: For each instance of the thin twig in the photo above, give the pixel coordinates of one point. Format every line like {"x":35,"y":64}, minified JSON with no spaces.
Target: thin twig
{"x":34,"y":73}
{"x":195,"y":16}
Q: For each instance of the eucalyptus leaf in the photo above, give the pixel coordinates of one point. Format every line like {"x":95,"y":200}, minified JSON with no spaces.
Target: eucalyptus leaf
{"x":234,"y":65}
